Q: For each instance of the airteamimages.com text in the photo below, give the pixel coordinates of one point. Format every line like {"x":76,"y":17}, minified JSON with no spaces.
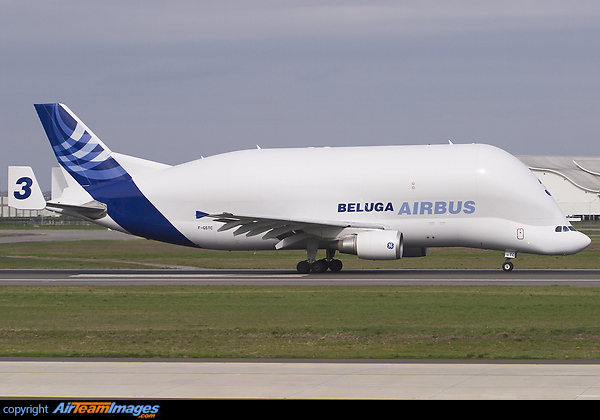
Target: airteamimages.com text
{"x":83,"y":407}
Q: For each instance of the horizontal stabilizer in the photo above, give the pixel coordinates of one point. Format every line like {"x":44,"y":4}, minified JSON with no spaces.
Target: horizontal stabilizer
{"x":93,"y":210}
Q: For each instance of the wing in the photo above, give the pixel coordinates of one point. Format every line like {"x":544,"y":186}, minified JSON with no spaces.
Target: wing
{"x":288,"y":231}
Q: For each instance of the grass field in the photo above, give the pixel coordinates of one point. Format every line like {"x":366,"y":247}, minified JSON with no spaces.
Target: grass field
{"x":292,"y":322}
{"x":301,"y":322}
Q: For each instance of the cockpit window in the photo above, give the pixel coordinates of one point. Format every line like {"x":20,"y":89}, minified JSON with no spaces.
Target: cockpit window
{"x":565,"y":229}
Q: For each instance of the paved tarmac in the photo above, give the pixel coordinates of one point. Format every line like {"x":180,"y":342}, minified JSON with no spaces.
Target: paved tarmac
{"x":580,"y":278}
{"x":98,"y":379}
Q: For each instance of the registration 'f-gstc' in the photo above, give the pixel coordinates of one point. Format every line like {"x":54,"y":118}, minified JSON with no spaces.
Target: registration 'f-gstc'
{"x":379,"y":202}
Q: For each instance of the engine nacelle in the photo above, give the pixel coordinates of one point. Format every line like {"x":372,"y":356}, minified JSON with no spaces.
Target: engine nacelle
{"x":374,"y":245}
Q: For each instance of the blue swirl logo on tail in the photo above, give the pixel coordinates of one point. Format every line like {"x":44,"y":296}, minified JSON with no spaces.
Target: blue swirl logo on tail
{"x":89,"y":161}
{"x":77,"y":149}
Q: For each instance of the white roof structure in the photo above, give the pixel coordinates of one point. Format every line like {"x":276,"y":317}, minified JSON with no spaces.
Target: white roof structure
{"x":573,"y":181}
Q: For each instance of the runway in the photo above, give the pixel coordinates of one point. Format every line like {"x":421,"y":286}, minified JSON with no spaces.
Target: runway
{"x":105,"y":379}
{"x":580,"y":278}
{"x":292,"y":379}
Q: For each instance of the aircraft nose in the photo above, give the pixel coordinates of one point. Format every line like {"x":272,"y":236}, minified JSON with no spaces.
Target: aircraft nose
{"x":580,"y":242}
{"x":565,"y":243}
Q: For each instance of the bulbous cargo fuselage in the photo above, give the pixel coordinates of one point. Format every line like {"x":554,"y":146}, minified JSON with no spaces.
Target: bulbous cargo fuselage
{"x":437,"y":196}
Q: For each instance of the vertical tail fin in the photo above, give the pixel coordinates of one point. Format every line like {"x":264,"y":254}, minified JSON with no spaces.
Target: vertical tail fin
{"x":77,"y":149}
{"x":97,"y":169}
{"x":23,"y":189}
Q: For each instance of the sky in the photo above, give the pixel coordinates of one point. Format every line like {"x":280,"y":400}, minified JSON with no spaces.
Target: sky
{"x":174,"y":81}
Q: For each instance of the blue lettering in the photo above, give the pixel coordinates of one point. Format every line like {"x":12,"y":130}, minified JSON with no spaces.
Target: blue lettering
{"x":404,"y":209}
{"x":469,"y":207}
{"x":366,"y":207}
{"x":64,"y":409}
{"x":456,"y":210}
{"x":426,"y":207}
{"x":437,"y":207}
{"x":440,"y":207}
{"x":25,"y":188}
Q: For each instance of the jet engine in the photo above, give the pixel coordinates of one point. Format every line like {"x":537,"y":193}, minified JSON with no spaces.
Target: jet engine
{"x":373,"y":245}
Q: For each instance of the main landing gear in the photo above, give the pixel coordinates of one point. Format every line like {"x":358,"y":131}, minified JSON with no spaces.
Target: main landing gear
{"x":507,"y":265}
{"x":319,"y":266}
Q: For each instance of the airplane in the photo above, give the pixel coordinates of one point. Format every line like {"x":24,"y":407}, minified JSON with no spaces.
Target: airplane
{"x":376,"y":202}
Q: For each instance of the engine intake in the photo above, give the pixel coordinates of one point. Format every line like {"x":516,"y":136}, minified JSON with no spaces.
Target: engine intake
{"x":374,"y":245}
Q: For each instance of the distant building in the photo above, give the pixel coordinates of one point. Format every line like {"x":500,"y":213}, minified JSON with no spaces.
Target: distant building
{"x":573,"y":181}
{"x":6,"y":211}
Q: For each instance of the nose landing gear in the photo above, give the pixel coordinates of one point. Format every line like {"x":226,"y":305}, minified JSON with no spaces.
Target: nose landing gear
{"x":507,"y":265}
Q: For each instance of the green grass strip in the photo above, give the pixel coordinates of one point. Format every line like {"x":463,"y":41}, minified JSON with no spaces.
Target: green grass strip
{"x":301,"y":322}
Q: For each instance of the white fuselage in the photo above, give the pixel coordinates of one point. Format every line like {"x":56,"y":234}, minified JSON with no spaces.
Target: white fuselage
{"x":437,"y":196}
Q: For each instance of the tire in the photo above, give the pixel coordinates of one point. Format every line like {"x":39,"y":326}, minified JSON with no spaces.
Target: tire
{"x":303,"y":267}
{"x":319,"y":266}
{"x":335,"y":265}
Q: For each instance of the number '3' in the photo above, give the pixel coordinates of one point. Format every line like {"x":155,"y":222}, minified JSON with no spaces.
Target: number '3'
{"x":25,"y":188}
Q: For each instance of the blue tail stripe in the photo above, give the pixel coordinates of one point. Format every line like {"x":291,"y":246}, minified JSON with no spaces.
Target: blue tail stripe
{"x":77,"y":150}
{"x":88,"y":160}
{"x":128,"y":206}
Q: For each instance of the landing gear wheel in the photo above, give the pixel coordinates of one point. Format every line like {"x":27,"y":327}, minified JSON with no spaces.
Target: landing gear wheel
{"x":507,"y":266}
{"x":303,"y":267}
{"x":335,"y":265}
{"x":319,"y":266}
